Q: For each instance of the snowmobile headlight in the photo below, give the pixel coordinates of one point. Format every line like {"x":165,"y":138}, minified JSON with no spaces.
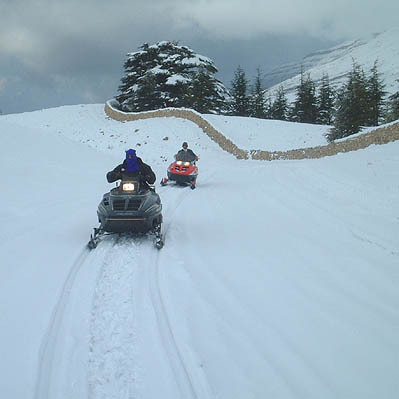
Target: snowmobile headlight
{"x":179,"y":162}
{"x":186,"y":163}
{"x":129,"y":187}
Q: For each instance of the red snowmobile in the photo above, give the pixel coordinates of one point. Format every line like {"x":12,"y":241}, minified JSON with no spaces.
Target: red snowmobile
{"x":182,"y":172}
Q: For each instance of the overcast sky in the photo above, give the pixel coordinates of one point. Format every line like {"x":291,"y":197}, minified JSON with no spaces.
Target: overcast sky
{"x":55,"y":52}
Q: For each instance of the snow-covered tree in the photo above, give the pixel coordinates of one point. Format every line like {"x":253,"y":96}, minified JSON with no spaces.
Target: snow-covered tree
{"x":160,"y":76}
{"x":206,"y":94}
{"x":145,"y":95}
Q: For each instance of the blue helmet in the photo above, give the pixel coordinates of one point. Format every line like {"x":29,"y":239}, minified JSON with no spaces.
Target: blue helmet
{"x":132,"y":161}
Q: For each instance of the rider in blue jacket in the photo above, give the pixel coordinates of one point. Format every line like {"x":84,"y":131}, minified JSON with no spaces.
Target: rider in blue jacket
{"x":132,"y":166}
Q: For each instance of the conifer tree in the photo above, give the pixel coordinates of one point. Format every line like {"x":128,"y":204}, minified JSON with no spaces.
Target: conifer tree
{"x":257,"y":101}
{"x":352,"y":105}
{"x":146,"y":97}
{"x":305,"y":105}
{"x":268,"y":107}
{"x":279,"y":107}
{"x":325,"y":101}
{"x":136,"y":66}
{"x":392,"y":111}
{"x":206,"y":94}
{"x":239,"y":97}
{"x":167,"y":70}
{"x":376,"y":94}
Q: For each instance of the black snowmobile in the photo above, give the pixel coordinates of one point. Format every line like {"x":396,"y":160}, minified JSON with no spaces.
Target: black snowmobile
{"x":130,"y":207}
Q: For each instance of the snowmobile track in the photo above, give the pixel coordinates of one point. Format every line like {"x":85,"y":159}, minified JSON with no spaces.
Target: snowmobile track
{"x":184,"y":379}
{"x":182,"y":375}
{"x":112,"y":371}
{"x":49,"y":343}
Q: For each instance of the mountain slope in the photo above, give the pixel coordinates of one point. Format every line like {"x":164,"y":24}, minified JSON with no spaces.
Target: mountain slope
{"x":337,"y":62}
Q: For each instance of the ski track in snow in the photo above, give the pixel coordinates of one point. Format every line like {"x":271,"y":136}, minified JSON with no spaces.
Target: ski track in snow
{"x":47,"y":358}
{"x":112,"y":372}
{"x":189,"y":386}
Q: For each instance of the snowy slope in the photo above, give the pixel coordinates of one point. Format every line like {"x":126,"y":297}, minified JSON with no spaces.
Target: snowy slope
{"x":277,"y":279}
{"x":271,"y":135}
{"x":337,"y":63}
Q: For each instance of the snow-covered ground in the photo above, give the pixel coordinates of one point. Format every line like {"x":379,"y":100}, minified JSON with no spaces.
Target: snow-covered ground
{"x":272,"y":135}
{"x":277,"y":279}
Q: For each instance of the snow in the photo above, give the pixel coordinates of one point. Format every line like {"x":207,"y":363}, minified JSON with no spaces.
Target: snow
{"x":176,"y":78}
{"x":272,"y":135}
{"x":197,"y":60}
{"x":158,"y":70}
{"x":277,"y":279}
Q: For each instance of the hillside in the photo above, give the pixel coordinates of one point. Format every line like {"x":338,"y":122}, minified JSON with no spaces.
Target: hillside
{"x":277,"y":279}
{"x":337,"y":62}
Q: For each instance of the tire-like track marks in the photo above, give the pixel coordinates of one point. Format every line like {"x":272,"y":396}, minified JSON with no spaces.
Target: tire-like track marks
{"x":50,"y":341}
{"x":188,"y":387}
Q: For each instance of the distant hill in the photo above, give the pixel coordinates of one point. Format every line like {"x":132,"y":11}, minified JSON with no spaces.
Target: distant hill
{"x":337,"y":63}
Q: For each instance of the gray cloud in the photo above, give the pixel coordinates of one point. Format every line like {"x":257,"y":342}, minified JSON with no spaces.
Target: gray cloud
{"x":329,"y":19}
{"x":53,"y":51}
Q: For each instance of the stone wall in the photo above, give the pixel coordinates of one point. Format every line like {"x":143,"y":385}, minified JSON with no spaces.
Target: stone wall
{"x":381,"y":135}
